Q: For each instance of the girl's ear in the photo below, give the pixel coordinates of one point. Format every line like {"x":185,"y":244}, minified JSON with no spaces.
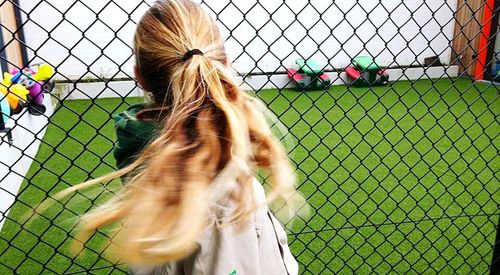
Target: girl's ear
{"x":139,"y":79}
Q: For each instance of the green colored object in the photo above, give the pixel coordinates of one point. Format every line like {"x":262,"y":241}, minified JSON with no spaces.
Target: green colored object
{"x":374,"y":189}
{"x":233,"y":272}
{"x":132,"y":135}
{"x":309,"y":67}
{"x":365,"y":63}
{"x":319,"y":79}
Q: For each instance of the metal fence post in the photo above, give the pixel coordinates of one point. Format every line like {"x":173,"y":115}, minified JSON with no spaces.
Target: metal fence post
{"x":495,"y":259}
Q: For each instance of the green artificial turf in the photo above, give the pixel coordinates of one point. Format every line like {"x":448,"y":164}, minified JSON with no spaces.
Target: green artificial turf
{"x":401,"y":178}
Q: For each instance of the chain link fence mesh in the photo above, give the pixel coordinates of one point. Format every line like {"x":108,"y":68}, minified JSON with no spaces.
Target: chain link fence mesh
{"x":401,"y":177}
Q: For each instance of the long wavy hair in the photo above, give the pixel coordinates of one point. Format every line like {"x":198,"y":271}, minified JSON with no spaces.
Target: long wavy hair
{"x":214,"y":138}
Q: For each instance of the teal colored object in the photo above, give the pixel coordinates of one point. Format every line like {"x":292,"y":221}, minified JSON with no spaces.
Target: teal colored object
{"x":496,"y":70}
{"x":309,"y":67}
{"x":366,"y":72}
{"x":5,"y":108}
{"x":365,"y":63}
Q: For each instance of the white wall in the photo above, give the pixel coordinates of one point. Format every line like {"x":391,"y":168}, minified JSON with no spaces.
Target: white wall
{"x":100,"y":89}
{"x":15,"y":160}
{"x":287,"y":38}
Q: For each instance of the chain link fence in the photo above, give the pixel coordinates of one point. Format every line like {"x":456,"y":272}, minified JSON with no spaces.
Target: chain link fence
{"x":395,"y":140}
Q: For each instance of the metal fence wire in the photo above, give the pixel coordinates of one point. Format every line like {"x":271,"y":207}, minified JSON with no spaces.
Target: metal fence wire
{"x":394,"y":135}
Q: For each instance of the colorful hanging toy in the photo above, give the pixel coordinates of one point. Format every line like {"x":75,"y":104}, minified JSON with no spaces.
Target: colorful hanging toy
{"x":25,"y":88}
{"x":20,"y":89}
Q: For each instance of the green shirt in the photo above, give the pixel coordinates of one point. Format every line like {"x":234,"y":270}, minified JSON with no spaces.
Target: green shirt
{"x":132,"y":135}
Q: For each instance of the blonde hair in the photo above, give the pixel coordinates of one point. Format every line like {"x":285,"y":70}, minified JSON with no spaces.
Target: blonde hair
{"x":213,"y":141}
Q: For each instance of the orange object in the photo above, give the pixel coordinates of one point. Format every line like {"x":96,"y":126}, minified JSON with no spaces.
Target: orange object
{"x":16,"y":95}
{"x":484,"y":40}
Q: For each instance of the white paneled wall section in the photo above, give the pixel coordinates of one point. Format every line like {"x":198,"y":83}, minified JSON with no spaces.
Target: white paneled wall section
{"x":95,"y":36}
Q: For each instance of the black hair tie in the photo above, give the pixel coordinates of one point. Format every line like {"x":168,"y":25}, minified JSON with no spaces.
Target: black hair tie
{"x":190,"y":54}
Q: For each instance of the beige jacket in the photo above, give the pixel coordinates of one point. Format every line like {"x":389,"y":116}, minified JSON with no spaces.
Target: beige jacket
{"x":259,"y":249}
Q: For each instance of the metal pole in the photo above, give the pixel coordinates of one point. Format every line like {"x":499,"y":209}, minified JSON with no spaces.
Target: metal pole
{"x":495,"y":260}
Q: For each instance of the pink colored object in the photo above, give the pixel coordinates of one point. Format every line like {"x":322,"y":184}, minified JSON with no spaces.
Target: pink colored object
{"x":35,"y":88}
{"x":352,"y":73}
{"x":292,"y":73}
{"x":382,"y":72}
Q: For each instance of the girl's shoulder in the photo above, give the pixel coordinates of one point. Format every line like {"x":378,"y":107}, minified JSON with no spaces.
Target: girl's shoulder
{"x":132,"y":134}
{"x":130,"y":114}
{"x":127,"y":122}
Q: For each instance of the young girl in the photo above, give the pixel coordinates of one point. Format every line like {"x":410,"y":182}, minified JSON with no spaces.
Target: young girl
{"x":191,"y":204}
